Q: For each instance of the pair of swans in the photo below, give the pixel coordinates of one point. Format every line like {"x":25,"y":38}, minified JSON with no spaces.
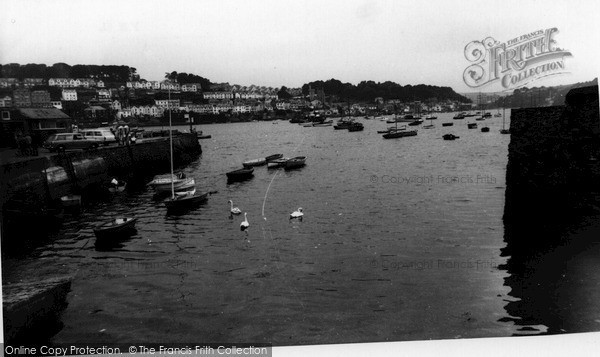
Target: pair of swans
{"x":245,"y":224}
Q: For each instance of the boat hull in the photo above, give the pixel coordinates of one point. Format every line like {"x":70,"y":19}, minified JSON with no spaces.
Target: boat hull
{"x":399,"y":134}
{"x":240,"y":175}
{"x":273,"y":157}
{"x":163,"y":186}
{"x":115,"y":228}
{"x":252,"y":163}
{"x":277,"y":163}
{"x":185,"y":201}
{"x":449,"y":137}
{"x":295,"y":163}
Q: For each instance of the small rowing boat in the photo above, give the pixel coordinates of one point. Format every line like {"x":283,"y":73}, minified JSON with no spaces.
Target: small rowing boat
{"x":295,"y":162}
{"x":115,"y":228}
{"x":255,"y":162}
{"x":240,"y":175}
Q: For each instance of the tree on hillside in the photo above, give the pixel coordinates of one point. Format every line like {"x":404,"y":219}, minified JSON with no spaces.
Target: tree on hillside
{"x":171,"y":76}
{"x":283,"y":93}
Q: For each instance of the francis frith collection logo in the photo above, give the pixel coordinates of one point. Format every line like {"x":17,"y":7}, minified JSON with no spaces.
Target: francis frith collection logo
{"x":514,"y":63}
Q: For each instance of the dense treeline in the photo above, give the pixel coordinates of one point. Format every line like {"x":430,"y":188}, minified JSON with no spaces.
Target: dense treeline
{"x":106,"y":73}
{"x":185,"y":78}
{"x":540,"y":96}
{"x":369,"y":90}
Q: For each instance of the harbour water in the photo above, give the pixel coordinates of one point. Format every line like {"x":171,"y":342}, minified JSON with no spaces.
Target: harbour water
{"x":401,"y":240}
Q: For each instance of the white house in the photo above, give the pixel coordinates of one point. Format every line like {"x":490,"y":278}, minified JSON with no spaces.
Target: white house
{"x":190,"y":87}
{"x":169,"y":85}
{"x":116,"y":105}
{"x":69,"y":95}
{"x":166,"y":104}
{"x":218,"y":95}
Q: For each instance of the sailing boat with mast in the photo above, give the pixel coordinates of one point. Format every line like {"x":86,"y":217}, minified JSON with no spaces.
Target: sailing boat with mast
{"x":185,"y":199}
{"x":398,"y":133}
{"x":429,"y":117}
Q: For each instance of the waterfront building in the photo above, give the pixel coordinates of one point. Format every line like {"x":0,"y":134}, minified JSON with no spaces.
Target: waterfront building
{"x":169,"y":85}
{"x":151,"y":110}
{"x":38,"y":122}
{"x":69,"y":95}
{"x":8,"y":82}
{"x":59,"y":82}
{"x":124,"y":113}
{"x":96,"y":113}
{"x":104,"y":95}
{"x":22,"y":98}
{"x":190,"y":87}
{"x":282,"y":105}
{"x":32,"y":82}
{"x":166,"y":103}
{"x":218,"y":95}
{"x":116,"y":105}
{"x":242,"y":108}
{"x":6,"y":102}
{"x":40,"y":99}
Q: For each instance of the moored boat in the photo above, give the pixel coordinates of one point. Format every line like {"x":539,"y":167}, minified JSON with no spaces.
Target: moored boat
{"x":447,"y":124}
{"x":179,"y":183}
{"x":295,"y":162}
{"x":273,"y":157}
{"x":416,"y":122}
{"x":459,"y":116}
{"x":472,"y":125}
{"x":185,"y":199}
{"x":485,"y":129}
{"x":255,"y":162}
{"x":240,"y":174}
{"x":115,"y":228}
{"x":356,"y":127}
{"x":399,"y":134}
{"x":449,"y":137}
{"x":325,"y":123}
{"x":343,"y":124}
{"x":277,"y":163}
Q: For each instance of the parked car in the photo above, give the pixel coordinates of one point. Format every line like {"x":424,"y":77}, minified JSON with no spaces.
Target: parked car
{"x":102,"y":136}
{"x":69,"y":141}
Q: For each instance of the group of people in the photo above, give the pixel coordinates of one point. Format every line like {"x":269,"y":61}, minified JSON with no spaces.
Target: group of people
{"x":123,"y":135}
{"x":25,"y":145}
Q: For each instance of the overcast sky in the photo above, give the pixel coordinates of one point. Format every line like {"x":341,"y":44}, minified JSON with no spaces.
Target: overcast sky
{"x":280,"y":42}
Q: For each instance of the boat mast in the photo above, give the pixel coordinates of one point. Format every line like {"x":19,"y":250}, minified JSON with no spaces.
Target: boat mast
{"x":171,"y":144}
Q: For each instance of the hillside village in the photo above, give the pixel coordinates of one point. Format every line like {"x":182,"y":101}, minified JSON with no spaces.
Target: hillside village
{"x":44,"y":105}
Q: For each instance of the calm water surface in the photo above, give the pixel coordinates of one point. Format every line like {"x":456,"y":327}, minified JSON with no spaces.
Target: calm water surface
{"x":401,"y":240}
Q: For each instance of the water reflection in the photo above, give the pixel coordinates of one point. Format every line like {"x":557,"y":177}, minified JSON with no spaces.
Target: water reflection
{"x":555,"y":289}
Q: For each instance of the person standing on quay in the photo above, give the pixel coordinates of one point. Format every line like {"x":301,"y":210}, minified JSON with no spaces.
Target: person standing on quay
{"x":120,"y":134}
{"x":126,"y":134}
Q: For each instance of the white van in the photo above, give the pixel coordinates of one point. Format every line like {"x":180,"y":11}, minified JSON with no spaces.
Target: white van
{"x":104,"y":136}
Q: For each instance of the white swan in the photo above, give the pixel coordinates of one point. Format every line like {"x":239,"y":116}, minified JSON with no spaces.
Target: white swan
{"x":297,"y":214}
{"x":244,"y":225}
{"x":234,"y":210}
